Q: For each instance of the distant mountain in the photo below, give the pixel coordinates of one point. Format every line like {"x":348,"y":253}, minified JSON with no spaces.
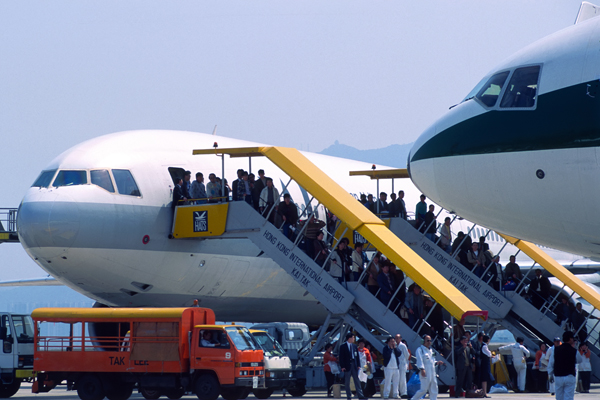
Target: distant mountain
{"x":392,"y":156}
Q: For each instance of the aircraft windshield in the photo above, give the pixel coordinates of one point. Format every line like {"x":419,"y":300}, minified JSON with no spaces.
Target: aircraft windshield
{"x":70,"y":178}
{"x":125,"y":183}
{"x":476,"y":89}
{"x":23,"y":328}
{"x":489,"y":92}
{"x":101,"y":177}
{"x":270,"y":346}
{"x":241,"y":338}
{"x":522,"y":88}
{"x":44,"y":179}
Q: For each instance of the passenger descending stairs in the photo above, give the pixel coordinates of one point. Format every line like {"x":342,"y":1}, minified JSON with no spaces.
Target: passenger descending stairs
{"x":507,"y":309}
{"x":351,"y":302}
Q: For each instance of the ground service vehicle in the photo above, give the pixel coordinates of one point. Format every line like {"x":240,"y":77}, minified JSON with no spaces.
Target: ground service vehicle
{"x":292,"y":336}
{"x":160,"y":351}
{"x":16,"y":358}
{"x":278,"y":366}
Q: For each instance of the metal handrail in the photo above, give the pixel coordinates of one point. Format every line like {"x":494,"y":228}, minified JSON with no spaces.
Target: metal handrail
{"x":8,"y":219}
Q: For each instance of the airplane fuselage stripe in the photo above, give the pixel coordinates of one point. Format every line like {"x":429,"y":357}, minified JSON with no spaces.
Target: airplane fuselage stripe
{"x":561,"y":120}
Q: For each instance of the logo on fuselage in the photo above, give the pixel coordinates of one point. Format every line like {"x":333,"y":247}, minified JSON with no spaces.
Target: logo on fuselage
{"x":200,"y":221}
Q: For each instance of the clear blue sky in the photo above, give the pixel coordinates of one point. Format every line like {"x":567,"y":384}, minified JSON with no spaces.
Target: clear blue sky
{"x":292,"y":73}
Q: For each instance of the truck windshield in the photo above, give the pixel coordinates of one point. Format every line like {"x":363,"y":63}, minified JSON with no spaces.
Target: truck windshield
{"x":23,"y":328}
{"x":270,"y":346}
{"x":241,"y":338}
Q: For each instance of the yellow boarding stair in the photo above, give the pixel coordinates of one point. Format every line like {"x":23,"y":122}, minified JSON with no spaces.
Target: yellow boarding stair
{"x":358,"y":218}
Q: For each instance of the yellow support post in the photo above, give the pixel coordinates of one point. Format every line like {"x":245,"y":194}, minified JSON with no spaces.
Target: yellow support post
{"x":560,"y":272}
{"x":398,"y":173}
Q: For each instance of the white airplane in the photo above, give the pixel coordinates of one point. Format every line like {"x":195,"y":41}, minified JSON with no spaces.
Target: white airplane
{"x":98,"y":219}
{"x":520,"y":153}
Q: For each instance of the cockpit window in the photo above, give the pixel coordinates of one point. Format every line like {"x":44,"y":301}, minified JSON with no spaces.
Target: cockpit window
{"x":70,"y":178}
{"x":522,"y":88}
{"x":101,"y":177}
{"x":44,"y":179}
{"x":125,"y":183}
{"x":489,"y":93}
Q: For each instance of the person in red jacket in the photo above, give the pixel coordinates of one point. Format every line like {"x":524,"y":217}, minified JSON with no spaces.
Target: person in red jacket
{"x":329,"y":376}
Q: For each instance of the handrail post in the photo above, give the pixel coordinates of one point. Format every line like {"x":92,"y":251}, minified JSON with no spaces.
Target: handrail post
{"x":394,"y":296}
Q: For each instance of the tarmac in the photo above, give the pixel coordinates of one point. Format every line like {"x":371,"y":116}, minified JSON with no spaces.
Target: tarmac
{"x":61,"y":393}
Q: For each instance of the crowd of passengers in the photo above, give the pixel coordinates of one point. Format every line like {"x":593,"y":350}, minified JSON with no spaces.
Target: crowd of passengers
{"x":379,"y":275}
{"x":259,"y":193}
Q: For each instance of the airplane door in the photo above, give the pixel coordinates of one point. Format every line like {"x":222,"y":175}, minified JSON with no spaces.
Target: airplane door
{"x":7,"y":339}
{"x":176,"y":172}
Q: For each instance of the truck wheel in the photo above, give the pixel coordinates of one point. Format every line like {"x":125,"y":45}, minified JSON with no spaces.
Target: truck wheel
{"x":175,"y":394}
{"x":263,"y":393}
{"x":89,"y":387}
{"x":297,"y":391}
{"x":150,"y":394}
{"x":121,"y":392}
{"x":207,"y":387}
{"x":232,"y":393}
{"x":245,"y":393}
{"x":10,"y":389}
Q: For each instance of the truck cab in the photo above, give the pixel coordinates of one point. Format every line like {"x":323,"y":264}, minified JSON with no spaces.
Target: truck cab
{"x":217,"y":347}
{"x":278,"y":366}
{"x":16,"y":357}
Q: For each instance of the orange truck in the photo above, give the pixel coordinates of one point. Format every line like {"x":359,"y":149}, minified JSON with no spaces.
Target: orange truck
{"x":109,"y":352}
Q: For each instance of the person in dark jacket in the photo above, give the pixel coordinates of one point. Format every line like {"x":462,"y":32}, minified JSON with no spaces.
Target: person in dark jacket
{"x":430,"y":223}
{"x":539,"y":289}
{"x":464,"y":252}
{"x":579,"y":320}
{"x":320,"y":250}
{"x":386,"y":283}
{"x":178,"y":194}
{"x":349,"y":364}
{"x":464,"y":362}
{"x":187,"y":184}
{"x":399,"y":281}
{"x":561,"y":367}
{"x":259,"y":185}
{"x":485,"y":369}
{"x":289,"y":214}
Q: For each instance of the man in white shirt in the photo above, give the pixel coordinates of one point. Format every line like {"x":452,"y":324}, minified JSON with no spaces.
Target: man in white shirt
{"x":391,"y":353}
{"x":548,"y":355}
{"x":402,"y":366}
{"x":207,"y":340}
{"x":426,"y":364}
{"x":519,"y":354}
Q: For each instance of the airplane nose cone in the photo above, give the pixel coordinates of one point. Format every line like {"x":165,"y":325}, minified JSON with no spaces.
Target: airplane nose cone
{"x":421,"y":170}
{"x":49,"y":221}
{"x":436,"y":162}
